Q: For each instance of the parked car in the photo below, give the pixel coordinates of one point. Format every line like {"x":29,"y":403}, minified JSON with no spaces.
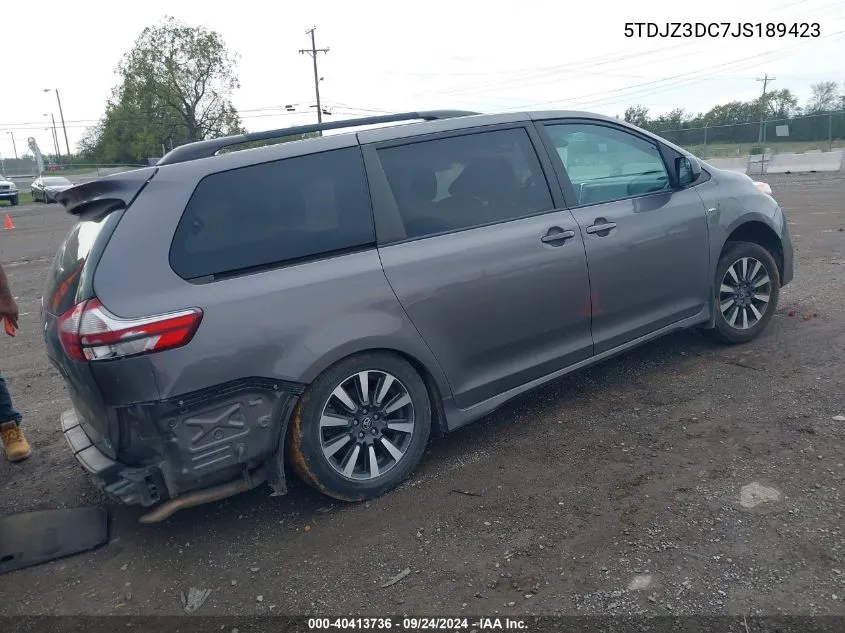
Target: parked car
{"x":45,"y":188}
{"x":8,"y":191}
{"x":331,"y":303}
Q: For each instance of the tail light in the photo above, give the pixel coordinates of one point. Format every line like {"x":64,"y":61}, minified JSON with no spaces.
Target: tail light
{"x":90,"y":332}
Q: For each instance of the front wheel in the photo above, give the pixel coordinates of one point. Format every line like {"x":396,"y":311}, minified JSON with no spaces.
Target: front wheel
{"x":746,"y":292}
{"x":15,"y":201}
{"x":361,"y":428}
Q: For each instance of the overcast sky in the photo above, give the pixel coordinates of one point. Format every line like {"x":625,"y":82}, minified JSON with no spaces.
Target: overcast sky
{"x":437,"y":54}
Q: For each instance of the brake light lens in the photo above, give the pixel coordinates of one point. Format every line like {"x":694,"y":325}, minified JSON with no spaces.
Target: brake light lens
{"x":90,"y":332}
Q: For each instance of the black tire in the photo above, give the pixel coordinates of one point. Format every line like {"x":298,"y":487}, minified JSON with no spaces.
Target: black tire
{"x":733,"y":253}
{"x":15,"y":201}
{"x":304,"y":447}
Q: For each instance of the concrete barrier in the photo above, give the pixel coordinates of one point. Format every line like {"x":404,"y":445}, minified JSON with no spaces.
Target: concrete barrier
{"x":803,"y":163}
{"x":758,"y":164}
{"x":790,"y":162}
{"x":739,"y":163}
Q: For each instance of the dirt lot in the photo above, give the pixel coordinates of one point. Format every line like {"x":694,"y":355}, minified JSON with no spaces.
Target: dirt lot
{"x":614,"y":491}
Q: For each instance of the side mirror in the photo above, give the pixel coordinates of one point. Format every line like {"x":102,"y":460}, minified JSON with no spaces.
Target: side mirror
{"x":687,"y":170}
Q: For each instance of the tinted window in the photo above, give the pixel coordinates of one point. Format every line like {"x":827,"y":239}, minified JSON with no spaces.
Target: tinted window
{"x":274,"y":212}
{"x":464,"y":181}
{"x":606,"y":163}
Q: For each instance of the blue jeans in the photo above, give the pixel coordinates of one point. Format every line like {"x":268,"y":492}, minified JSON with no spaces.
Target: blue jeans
{"x":8,"y":413}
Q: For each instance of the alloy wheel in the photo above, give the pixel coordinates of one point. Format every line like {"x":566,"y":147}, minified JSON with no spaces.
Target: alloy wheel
{"x":367,"y":425}
{"x":744,"y":293}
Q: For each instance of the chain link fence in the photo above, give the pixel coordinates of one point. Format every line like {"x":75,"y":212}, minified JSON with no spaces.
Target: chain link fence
{"x":25,"y":169}
{"x":818,"y":132}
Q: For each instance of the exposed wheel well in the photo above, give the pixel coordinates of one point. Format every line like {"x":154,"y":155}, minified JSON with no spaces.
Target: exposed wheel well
{"x":438,"y":416}
{"x":759,"y":233}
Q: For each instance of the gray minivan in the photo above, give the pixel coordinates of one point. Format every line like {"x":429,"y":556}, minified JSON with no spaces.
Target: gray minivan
{"x":330,"y":303}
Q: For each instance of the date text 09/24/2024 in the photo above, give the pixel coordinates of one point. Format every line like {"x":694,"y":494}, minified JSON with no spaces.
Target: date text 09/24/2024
{"x":723,"y":29}
{"x":458,"y":624}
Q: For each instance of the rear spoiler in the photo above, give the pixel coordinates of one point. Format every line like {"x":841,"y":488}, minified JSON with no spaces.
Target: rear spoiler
{"x":111,"y":192}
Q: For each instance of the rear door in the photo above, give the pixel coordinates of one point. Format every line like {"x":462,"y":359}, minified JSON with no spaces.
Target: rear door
{"x":646,"y":240}
{"x":482,"y":255}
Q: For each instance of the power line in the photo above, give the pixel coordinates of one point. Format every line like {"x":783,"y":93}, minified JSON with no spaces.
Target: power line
{"x":682,"y":81}
{"x":685,"y":79}
{"x":313,"y":52}
{"x":86,"y":123}
{"x":539,"y":76}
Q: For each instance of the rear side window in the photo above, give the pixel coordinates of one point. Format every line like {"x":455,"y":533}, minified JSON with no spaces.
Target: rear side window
{"x":65,"y":281}
{"x":272,"y":213}
{"x":460,"y":182}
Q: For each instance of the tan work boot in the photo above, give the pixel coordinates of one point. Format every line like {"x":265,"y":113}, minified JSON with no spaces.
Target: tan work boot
{"x":17,"y":448}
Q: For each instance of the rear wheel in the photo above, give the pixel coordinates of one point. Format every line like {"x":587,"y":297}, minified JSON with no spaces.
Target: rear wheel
{"x":361,"y":428}
{"x":747,"y":289}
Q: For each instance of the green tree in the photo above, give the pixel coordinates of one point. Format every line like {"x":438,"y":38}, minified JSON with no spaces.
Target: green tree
{"x":176,"y":86}
{"x":732,"y":113}
{"x":824,"y":97}
{"x":637,"y":115}
{"x":672,"y":120}
{"x":781,"y":104}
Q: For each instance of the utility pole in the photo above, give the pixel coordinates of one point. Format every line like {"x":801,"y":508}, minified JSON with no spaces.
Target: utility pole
{"x":766,"y":79}
{"x":14,"y":147}
{"x":56,"y":139}
{"x":313,"y":52}
{"x":761,"y":137}
{"x":61,"y":116}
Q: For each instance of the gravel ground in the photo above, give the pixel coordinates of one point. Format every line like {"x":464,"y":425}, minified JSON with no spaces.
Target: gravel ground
{"x":622,"y":489}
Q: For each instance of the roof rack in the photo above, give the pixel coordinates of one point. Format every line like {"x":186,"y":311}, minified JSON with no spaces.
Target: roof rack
{"x":206,"y":149}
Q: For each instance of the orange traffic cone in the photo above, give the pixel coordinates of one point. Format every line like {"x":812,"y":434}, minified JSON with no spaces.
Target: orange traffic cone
{"x":7,"y":223}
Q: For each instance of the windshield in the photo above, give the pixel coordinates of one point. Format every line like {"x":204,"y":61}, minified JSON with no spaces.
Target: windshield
{"x":56,"y":181}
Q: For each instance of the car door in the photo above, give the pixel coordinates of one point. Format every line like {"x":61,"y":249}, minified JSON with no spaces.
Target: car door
{"x":482,"y":255}
{"x":646,"y":239}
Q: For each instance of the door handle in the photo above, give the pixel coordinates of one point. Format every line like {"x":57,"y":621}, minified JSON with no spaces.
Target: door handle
{"x":556,"y":236}
{"x":601,"y":226}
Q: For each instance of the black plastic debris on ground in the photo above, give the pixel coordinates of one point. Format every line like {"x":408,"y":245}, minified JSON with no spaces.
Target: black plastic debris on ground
{"x":33,"y":538}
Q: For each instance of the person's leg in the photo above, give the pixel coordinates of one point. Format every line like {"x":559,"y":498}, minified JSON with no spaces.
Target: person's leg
{"x":14,"y":442}
{"x":8,"y":413}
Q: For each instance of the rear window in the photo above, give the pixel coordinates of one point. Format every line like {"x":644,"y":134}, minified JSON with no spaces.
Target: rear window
{"x":66,"y":281}
{"x":275,"y":212}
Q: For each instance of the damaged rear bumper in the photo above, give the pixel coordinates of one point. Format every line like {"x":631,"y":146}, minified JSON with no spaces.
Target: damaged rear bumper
{"x":123,"y":484}
{"x":192,"y":449}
